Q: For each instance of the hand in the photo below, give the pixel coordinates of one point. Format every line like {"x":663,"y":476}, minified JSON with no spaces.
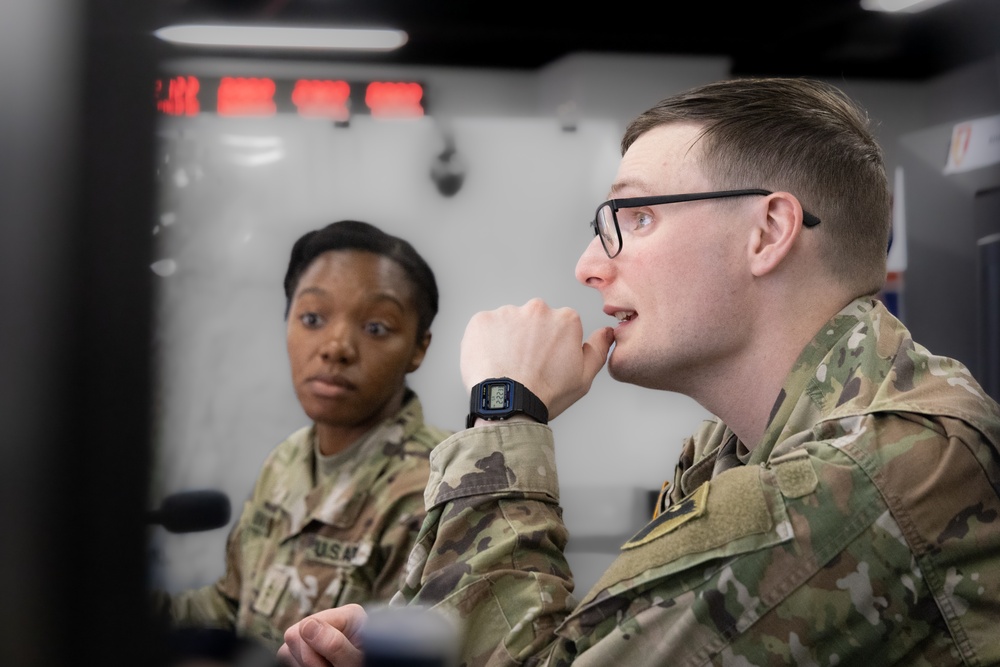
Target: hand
{"x":540,"y":347}
{"x":328,"y":637}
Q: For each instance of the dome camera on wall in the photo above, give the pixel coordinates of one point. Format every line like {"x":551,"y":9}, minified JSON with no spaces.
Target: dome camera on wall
{"x":448,"y":171}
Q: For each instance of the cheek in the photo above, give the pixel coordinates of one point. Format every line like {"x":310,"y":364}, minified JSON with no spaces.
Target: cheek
{"x":686,"y":267}
{"x":669,"y":288}
{"x":297,"y":355}
{"x":387,"y":362}
{"x":659,"y":275}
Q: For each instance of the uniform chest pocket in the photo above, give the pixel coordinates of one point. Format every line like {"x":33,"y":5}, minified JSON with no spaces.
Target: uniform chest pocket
{"x":346,"y":561}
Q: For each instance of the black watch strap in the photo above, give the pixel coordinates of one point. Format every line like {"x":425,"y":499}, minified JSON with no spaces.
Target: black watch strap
{"x":499,"y":398}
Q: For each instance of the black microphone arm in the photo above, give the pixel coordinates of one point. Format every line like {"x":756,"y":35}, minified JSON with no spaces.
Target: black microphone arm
{"x":192,"y":511}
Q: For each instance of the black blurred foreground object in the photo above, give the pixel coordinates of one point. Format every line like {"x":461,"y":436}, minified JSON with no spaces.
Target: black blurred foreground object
{"x":409,"y":637}
{"x":192,"y":511}
{"x":77,"y":130}
{"x":215,"y":647}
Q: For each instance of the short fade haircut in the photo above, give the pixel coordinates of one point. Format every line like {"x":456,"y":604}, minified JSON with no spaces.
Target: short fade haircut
{"x":365,"y":237}
{"x":802,"y":136}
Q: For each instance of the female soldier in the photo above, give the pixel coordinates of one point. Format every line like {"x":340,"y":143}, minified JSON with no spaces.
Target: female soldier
{"x":337,"y":506}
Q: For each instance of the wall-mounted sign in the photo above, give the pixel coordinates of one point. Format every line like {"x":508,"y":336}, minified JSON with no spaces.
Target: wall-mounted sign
{"x":974,"y":144}
{"x":259,"y":97}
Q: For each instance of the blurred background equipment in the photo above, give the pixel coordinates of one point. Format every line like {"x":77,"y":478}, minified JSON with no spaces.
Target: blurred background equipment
{"x":448,"y":169}
{"x":192,"y":511}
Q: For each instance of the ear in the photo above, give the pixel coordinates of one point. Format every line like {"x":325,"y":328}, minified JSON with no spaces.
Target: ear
{"x":419,"y":352}
{"x":774,"y":233}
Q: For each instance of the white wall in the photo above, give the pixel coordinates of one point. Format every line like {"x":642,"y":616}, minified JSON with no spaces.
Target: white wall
{"x":235,"y":194}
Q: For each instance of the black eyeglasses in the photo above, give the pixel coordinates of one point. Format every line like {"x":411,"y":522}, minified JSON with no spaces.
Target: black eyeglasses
{"x":605,"y":222}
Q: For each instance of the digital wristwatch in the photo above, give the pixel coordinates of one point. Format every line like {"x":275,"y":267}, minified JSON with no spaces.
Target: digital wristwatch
{"x":499,"y":398}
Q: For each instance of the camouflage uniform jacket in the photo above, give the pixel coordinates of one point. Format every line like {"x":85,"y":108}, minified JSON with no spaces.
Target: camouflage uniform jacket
{"x":303,"y":544}
{"x":864,"y":528}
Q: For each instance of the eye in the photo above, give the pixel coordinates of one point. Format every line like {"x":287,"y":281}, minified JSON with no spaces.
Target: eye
{"x":377,"y":329}
{"x":633,"y":219}
{"x":311,"y":320}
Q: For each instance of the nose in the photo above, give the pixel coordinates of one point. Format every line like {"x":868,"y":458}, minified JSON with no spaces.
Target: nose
{"x":339,"y":346}
{"x":594,"y":266}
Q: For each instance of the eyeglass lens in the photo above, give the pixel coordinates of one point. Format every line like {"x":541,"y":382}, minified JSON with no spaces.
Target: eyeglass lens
{"x":607,"y":230}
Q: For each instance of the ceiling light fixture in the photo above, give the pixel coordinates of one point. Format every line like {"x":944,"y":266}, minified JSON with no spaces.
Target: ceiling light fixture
{"x":275,"y":37}
{"x":908,"y":6}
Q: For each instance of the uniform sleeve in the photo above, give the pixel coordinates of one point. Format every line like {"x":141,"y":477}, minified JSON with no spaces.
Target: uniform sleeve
{"x":490,"y":553}
{"x":216,"y":604}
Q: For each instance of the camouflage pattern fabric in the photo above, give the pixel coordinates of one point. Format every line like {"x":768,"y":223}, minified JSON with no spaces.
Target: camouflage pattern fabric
{"x":863,"y":529}
{"x":304,"y":544}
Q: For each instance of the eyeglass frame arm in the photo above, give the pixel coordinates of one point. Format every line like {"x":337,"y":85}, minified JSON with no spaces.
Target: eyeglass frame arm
{"x":808,"y":219}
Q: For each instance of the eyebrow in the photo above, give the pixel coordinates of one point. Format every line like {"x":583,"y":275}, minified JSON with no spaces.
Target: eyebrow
{"x":619,"y":186}
{"x":392,"y":298}
{"x":379,"y":296}
{"x":319,"y":291}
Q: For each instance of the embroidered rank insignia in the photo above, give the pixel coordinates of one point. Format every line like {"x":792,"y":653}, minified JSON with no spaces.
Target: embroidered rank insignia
{"x":671,"y":518}
{"x":270,"y":592}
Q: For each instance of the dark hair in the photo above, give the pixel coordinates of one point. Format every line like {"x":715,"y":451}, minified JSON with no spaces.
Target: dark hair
{"x":355,"y":235}
{"x":803,"y":136}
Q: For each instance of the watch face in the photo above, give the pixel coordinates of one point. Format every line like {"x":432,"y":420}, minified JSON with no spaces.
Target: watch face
{"x":497,"y":397}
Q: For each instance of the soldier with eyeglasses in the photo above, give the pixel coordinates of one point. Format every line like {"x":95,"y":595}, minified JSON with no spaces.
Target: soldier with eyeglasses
{"x":842,"y":508}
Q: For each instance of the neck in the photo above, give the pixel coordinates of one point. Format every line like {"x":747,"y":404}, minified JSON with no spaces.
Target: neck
{"x":335,"y":439}
{"x":743,"y":393}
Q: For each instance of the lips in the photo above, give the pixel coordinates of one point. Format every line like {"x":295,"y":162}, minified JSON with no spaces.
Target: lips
{"x":325,"y":384}
{"x":623,"y":315}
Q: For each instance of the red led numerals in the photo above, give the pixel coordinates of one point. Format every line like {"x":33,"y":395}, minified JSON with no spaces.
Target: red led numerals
{"x":387,"y":99}
{"x":241,"y":96}
{"x":322,"y":98}
{"x":179,"y":98}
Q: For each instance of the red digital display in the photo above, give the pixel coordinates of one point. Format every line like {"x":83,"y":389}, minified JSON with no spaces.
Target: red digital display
{"x":245,"y":96}
{"x":386,"y":98}
{"x":260,"y":97}
{"x":178,"y":96}
{"x":318,"y":98}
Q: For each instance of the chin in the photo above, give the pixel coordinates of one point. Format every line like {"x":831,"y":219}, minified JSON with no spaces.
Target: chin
{"x":630,"y":374}
{"x":617,"y":369}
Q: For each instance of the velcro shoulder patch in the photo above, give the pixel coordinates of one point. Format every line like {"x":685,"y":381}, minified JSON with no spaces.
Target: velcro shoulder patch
{"x":735,"y":512}
{"x":671,"y":518}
